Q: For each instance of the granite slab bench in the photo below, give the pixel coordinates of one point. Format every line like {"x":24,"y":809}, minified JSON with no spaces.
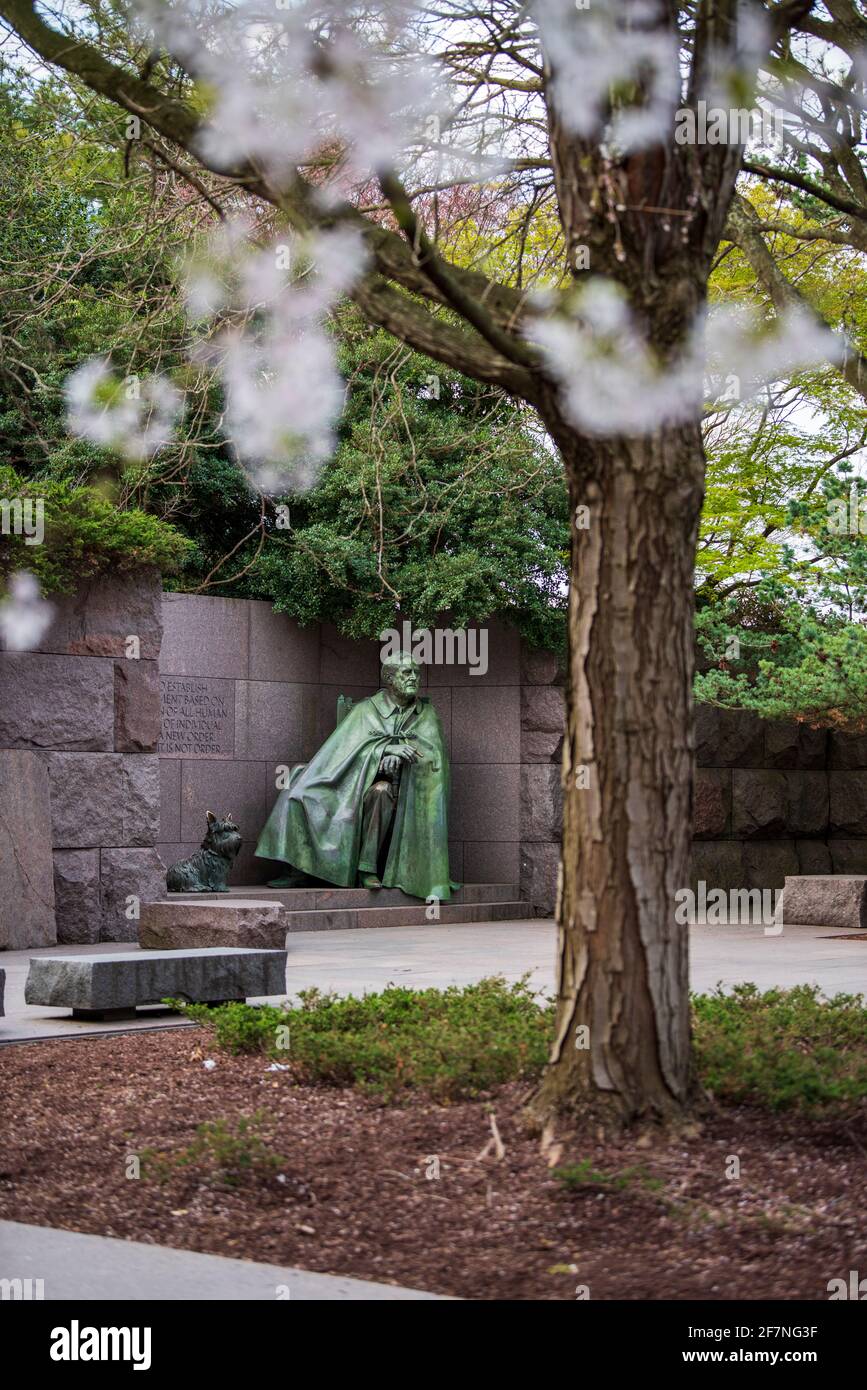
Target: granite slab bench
{"x":825,"y":900}
{"x":111,"y":986}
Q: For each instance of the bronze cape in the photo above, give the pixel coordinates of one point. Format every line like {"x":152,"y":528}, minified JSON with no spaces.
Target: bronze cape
{"x":316,"y":822}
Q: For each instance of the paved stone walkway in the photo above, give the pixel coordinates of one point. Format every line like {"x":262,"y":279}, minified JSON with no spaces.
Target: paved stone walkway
{"x":354,"y":962}
{"x":82,"y":1267}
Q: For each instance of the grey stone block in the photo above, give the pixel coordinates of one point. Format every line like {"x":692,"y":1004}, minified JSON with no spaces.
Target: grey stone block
{"x":127,"y":874}
{"x":136,"y":706}
{"x":63,"y":702}
{"x":100,"y":616}
{"x":848,"y":752}
{"x":197,"y":717}
{"x":104,"y":983}
{"x":85,"y":799}
{"x":728,"y":738}
{"x":814,"y":857}
{"x":348,"y":662}
{"x":712,"y":797}
{"x":27,"y":915}
{"x":177,"y":923}
{"x":719,"y":863}
{"x":280,"y":649}
{"x":790,"y":745}
{"x":834,"y":900}
{"x":440,"y":696}
{"x":504,"y":659}
{"x":275,"y":721}
{"x":848,"y":803}
{"x":170,"y":800}
{"x":541,"y":746}
{"x":543,"y":723}
{"x":540,"y":667}
{"x":485,"y":802}
{"x":540,"y":862}
{"x":808,"y":803}
{"x":486,"y":724}
{"x":848,"y":856}
{"x":205,"y":636}
{"x":456,"y":860}
{"x":541,"y":802}
{"x":497,"y":862}
{"x":245,"y":790}
{"x":767,"y":862}
{"x":766,"y":802}
{"x":76,"y":893}
{"x":140,"y":781}
{"x":108,"y":799}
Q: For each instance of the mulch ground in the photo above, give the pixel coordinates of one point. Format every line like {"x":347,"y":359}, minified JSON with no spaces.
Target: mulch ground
{"x":351,"y":1194}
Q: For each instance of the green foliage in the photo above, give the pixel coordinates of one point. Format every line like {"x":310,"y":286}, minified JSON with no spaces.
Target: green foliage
{"x":235,"y":1155}
{"x":784,"y":1049}
{"x":440,"y":499}
{"x":442,"y":496}
{"x":452,"y":1044}
{"x":85,"y":535}
{"x":796,"y":666}
{"x":582,"y":1175}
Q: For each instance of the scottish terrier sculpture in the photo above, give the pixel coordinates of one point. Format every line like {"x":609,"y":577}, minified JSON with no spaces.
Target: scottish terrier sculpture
{"x":207,"y":870}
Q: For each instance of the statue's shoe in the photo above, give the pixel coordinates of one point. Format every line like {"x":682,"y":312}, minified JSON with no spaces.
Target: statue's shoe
{"x":369,"y":881}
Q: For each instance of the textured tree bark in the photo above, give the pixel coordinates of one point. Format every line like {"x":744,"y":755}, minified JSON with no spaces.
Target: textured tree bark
{"x":621,"y":1045}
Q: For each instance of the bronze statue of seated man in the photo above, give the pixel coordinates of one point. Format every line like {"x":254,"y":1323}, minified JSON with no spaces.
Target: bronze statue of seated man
{"x":371,"y":806}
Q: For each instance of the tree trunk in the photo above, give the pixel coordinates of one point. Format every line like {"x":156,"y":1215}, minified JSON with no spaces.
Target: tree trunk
{"x":621,"y":1044}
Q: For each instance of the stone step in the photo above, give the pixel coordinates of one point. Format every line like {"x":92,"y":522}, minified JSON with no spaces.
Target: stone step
{"x":334,"y":899}
{"x":184,"y":920}
{"x":412,"y":915}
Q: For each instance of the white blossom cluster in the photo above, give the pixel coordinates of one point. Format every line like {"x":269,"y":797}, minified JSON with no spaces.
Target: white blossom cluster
{"x":24,"y":615}
{"x":276,"y":360}
{"x":605,"y":45}
{"x":613,"y":383}
{"x":295,"y":82}
{"x":134,"y":416}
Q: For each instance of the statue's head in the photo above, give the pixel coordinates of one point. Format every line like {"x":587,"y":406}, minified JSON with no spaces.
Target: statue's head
{"x":401,"y":674}
{"x":222,"y":836}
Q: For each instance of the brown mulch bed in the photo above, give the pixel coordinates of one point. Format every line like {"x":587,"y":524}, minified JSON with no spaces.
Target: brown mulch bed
{"x":350,"y":1195}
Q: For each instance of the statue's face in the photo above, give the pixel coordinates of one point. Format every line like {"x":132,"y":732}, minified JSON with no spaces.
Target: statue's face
{"x":404,"y":681}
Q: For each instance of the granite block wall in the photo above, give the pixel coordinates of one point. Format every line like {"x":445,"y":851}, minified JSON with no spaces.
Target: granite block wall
{"x":245,"y":691}
{"x":111,"y":753}
{"x":771,"y":798}
{"x":774,"y":798}
{"x":79,"y":771}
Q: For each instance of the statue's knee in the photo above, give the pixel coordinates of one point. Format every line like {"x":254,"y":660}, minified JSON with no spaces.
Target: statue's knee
{"x":380,"y":789}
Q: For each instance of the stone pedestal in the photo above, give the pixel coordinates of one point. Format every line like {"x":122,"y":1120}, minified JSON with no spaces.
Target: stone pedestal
{"x":176,"y":924}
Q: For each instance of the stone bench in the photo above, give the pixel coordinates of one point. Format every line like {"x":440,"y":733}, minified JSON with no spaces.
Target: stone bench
{"x":182,"y":923}
{"x":111,"y":986}
{"x":825,"y":900}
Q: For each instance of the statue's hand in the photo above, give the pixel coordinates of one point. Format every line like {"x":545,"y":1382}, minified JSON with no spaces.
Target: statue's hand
{"x":404,"y":751}
{"x":390,"y":765}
